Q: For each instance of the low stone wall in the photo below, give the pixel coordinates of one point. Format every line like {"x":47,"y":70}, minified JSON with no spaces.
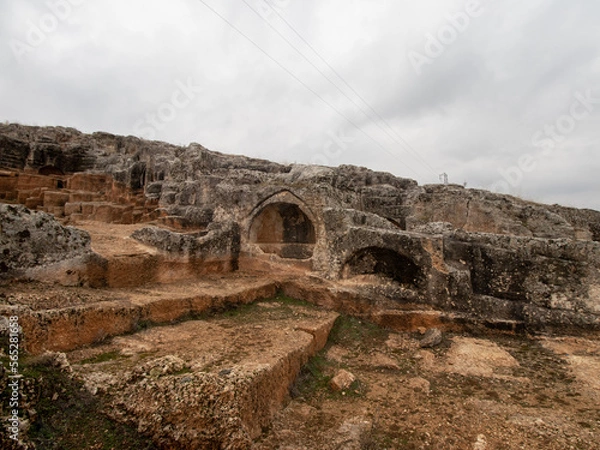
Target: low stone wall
{"x":35,"y":246}
{"x":78,"y":326}
{"x":220,"y":240}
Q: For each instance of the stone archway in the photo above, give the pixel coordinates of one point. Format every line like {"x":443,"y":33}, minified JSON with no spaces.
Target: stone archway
{"x":283,"y":229}
{"x":384,"y":262}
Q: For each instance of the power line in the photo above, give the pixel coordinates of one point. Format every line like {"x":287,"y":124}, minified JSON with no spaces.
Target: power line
{"x":349,"y":86}
{"x":406,"y":144}
{"x":289,"y":72}
{"x":323,"y":74}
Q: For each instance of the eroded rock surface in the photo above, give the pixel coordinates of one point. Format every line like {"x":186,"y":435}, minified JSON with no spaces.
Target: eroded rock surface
{"x":35,"y":245}
{"x":491,"y":258}
{"x":30,"y":239}
{"x":208,"y":384}
{"x":199,"y":184}
{"x":220,"y":241}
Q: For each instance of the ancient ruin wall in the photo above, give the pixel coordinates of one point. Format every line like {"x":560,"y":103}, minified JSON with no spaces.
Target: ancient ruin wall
{"x":441,"y":246}
{"x":194,"y":183}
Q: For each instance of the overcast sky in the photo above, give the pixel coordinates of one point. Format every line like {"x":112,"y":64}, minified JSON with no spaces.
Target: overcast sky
{"x":502,"y":95}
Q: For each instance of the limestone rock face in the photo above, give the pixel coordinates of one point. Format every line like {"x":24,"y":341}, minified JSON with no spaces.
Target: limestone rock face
{"x":196,"y":183}
{"x":221,"y":240}
{"x":488,"y":256}
{"x":31,"y":239}
{"x":528,"y":278}
{"x":482,"y":211}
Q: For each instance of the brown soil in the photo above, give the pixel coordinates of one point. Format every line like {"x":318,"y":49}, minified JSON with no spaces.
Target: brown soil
{"x":110,"y":239}
{"x":489,"y":392}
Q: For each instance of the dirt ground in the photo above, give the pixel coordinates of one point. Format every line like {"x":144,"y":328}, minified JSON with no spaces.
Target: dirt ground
{"x":492,"y":391}
{"x":481,"y":393}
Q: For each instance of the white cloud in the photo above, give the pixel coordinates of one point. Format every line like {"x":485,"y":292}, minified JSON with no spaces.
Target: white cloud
{"x":472,"y":112}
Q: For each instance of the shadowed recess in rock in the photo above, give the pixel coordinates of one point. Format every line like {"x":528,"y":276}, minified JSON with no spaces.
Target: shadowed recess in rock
{"x":284,"y":229}
{"x":385,"y":262}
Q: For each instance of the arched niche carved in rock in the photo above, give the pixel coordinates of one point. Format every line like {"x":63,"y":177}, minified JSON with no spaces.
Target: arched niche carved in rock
{"x":283,"y":229}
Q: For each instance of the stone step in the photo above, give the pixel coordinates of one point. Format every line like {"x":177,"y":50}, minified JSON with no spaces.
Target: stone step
{"x":390,"y":314}
{"x":78,"y":323}
{"x":82,"y":196}
{"x":107,"y":212}
{"x":220,"y":392}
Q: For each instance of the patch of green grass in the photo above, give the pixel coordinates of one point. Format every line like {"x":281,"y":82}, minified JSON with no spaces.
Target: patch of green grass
{"x":357,"y":389}
{"x":284,"y":307}
{"x":238,"y":311}
{"x":31,"y":371}
{"x":290,"y":301}
{"x":379,"y":437}
{"x":540,"y":364}
{"x":247,"y":312}
{"x":351,"y":332}
{"x":142,"y":325}
{"x":103,"y":357}
{"x":183,"y":371}
{"x":312,"y":377}
{"x":68,"y":416}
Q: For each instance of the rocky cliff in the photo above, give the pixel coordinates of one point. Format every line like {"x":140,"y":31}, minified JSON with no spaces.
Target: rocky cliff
{"x":456,"y":249}
{"x":196,"y":183}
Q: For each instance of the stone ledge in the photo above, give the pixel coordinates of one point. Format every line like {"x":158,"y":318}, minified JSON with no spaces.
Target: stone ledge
{"x":73,"y":327}
{"x":220,"y":392}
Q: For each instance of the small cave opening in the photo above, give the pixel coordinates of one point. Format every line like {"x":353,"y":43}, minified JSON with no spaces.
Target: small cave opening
{"x":138,"y":176}
{"x":50,"y":170}
{"x":383,"y":262}
{"x":284,"y":229}
{"x":595,"y":229}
